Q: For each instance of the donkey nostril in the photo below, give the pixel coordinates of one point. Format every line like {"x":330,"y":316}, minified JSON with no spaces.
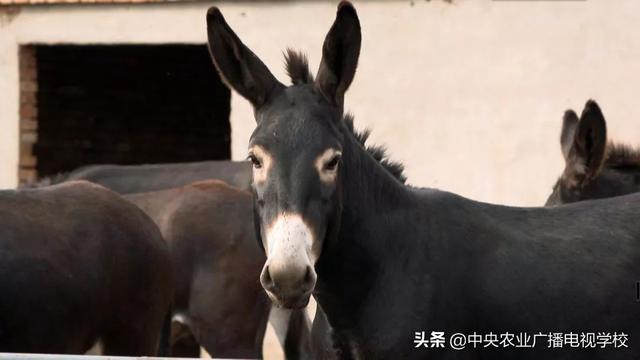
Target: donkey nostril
{"x":309,"y":278}
{"x":265,"y":279}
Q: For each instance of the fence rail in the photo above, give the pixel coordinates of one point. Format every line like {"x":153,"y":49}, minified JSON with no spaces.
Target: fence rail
{"x":16,"y":356}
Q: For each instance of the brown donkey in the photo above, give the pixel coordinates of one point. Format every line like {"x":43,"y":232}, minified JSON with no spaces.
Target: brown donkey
{"x":291,"y":327}
{"x":79,"y":264}
{"x":217,"y":262}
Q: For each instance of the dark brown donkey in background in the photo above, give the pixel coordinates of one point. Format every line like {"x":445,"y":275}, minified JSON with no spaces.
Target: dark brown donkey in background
{"x":217,"y":263}
{"x":80,"y":264}
{"x":291,"y":327}
{"x":131,"y":179}
{"x":594,"y":168}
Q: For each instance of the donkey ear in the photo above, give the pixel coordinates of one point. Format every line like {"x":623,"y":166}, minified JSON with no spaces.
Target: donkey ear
{"x":238,"y":66}
{"x":569,"y":125}
{"x":590,"y":141}
{"x":340,"y":53}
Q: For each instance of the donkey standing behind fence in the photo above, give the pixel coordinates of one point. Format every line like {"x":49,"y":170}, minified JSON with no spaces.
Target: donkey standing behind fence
{"x":594,"y":169}
{"x":80,"y":264}
{"x":161,"y":189}
{"x":217,"y":261}
{"x":385,"y":260}
{"x":131,"y":179}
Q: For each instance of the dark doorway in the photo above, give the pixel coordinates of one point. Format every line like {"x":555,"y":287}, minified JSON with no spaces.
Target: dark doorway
{"x":128,"y":104}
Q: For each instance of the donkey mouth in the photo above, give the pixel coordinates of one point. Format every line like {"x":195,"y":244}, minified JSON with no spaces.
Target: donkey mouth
{"x":289,"y":302}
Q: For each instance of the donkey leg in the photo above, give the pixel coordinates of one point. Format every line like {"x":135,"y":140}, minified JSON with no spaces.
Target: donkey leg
{"x":135,"y":335}
{"x":186,"y":347}
{"x":183,"y":342}
{"x":131,"y":341}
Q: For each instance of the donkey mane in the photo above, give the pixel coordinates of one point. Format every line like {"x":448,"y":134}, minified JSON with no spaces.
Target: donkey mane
{"x":622,"y":156}
{"x":297,"y":66}
{"x":378,"y":152}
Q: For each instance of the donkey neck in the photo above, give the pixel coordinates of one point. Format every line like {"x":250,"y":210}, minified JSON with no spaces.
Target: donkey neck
{"x":371,"y":199}
{"x":616,"y":181}
{"x":367,"y":185}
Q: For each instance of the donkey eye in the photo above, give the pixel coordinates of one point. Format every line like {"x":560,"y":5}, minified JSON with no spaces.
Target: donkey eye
{"x":254,"y":160}
{"x":333,"y":164}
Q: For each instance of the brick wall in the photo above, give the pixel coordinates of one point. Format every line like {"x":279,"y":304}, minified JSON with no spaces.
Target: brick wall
{"x":28,"y":113}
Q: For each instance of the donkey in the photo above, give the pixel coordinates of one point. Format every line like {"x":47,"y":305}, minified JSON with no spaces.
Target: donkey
{"x":79,"y":264}
{"x":291,"y":327}
{"x":594,"y":169}
{"x":129,"y":179}
{"x":215,"y":263}
{"x":385,"y":260}
{"x":217,"y":260}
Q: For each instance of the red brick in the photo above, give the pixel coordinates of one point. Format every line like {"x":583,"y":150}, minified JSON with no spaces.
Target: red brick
{"x":28,"y":97}
{"x":27,"y":175}
{"x":27,"y":56}
{"x":28,"y":161}
{"x":28,"y":112}
{"x":28,"y":86}
{"x":28,"y":125}
{"x":29,"y":137}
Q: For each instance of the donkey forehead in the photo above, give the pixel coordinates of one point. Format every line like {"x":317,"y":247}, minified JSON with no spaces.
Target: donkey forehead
{"x":286,"y":151}
{"x":300,"y":101}
{"x":296,"y":124}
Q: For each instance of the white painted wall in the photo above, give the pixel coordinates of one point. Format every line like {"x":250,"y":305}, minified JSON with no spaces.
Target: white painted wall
{"x":469,"y":96}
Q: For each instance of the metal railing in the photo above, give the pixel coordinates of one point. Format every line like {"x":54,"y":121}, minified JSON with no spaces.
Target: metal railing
{"x":16,"y":356}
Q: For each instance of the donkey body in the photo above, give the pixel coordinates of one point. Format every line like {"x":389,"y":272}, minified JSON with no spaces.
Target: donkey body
{"x":79,"y":264}
{"x":594,"y":169}
{"x":385,"y":260}
{"x":434,"y":261}
{"x":217,"y":260}
{"x":129,"y":179}
{"x":292,"y":328}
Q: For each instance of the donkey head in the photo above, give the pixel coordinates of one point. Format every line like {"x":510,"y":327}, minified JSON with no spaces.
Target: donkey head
{"x":295,"y":149}
{"x":594,"y":169}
